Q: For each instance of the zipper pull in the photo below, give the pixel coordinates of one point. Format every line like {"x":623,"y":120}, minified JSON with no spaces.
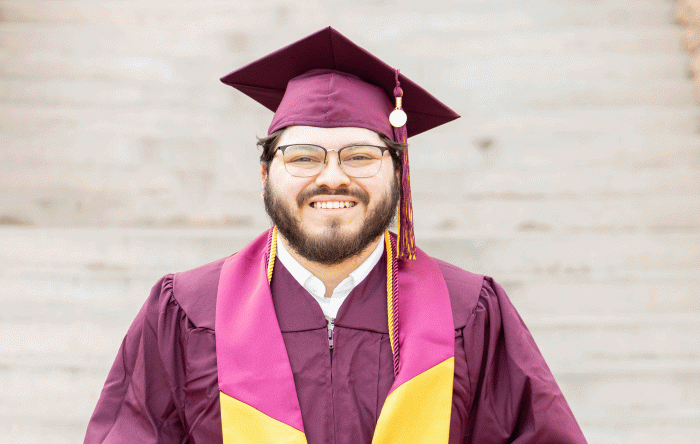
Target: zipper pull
{"x":331,"y":325}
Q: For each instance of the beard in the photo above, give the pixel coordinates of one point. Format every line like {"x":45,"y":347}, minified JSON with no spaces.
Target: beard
{"x":332,"y":247}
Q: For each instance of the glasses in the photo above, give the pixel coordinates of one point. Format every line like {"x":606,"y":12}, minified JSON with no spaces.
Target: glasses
{"x":303,"y":160}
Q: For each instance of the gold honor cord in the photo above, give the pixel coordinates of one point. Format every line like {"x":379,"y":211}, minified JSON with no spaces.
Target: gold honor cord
{"x":390,"y":284}
{"x":273,"y":253}
{"x":390,"y":287}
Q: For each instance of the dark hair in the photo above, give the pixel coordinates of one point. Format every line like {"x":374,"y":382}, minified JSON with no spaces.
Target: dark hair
{"x":269,"y":147}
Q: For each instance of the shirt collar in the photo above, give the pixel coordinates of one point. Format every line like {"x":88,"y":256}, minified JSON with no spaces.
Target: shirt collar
{"x":298,"y":272}
{"x":365,"y":267}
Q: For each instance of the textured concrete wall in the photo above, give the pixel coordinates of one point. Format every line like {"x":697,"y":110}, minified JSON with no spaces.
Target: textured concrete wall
{"x":572,"y":178}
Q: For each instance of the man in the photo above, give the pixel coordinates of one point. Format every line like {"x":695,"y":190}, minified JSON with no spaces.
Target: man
{"x":327,"y":328}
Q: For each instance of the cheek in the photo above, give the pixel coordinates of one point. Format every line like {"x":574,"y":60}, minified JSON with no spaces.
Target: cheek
{"x":287,"y":188}
{"x":383,"y":188}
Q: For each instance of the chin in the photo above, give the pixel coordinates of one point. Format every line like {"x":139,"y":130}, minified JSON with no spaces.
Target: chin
{"x":333,"y":231}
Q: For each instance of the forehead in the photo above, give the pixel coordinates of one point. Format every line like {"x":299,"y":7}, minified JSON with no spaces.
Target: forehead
{"x":329,"y":137}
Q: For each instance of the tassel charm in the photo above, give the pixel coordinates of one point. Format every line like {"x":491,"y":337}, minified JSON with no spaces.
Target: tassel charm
{"x":398,"y":116}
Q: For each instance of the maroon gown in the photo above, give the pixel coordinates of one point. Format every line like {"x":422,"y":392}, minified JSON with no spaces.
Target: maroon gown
{"x":163,"y":385}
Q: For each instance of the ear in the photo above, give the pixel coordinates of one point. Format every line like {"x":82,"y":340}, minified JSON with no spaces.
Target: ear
{"x":263,"y":179}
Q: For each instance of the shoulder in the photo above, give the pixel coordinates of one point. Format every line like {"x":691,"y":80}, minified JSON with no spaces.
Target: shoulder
{"x":465,"y":289}
{"x":194,"y":292}
{"x":474,"y":293}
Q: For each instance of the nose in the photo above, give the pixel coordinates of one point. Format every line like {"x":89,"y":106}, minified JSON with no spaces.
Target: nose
{"x":332,"y":175}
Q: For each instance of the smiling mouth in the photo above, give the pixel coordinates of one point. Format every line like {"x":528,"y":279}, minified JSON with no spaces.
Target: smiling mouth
{"x":332,"y":205}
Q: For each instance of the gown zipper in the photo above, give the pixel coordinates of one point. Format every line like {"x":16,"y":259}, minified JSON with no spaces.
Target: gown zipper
{"x":331,"y":326}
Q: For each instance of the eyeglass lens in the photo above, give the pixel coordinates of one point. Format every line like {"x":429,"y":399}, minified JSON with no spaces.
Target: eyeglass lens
{"x":356,"y":161}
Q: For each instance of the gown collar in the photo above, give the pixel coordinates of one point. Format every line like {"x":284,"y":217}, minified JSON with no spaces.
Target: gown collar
{"x":316,"y":288}
{"x":363,"y":309}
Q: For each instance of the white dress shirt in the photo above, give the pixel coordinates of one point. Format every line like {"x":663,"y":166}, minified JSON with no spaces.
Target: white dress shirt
{"x":313,"y":285}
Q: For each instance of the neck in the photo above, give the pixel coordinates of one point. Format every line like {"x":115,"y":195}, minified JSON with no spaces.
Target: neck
{"x":331,"y":275}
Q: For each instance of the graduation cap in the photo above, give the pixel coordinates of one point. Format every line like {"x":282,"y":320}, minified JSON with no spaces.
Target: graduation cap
{"x":325,"y":80}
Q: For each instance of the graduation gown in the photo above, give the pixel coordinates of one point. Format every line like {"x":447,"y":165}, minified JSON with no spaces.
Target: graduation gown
{"x":163,"y":386}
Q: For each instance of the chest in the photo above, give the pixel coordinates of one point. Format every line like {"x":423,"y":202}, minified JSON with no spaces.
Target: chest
{"x":341,"y":383}
{"x":341,"y":392}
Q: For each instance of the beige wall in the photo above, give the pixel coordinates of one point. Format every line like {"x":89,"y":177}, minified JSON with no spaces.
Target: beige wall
{"x":572,"y":179}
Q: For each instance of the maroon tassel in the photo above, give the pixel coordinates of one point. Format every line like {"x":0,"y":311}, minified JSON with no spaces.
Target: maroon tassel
{"x":407,"y":240}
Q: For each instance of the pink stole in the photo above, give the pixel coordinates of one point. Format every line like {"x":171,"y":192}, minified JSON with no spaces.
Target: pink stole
{"x":259,"y":403}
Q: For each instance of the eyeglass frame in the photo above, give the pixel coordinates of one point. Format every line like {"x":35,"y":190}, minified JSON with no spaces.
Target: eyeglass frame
{"x":383,"y":149}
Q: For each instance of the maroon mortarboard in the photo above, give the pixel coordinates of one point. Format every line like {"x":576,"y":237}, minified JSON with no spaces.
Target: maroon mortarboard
{"x":325,"y":80}
{"x":265,"y":80}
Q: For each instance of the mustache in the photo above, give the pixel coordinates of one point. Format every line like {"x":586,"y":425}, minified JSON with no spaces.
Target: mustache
{"x":358,"y":194}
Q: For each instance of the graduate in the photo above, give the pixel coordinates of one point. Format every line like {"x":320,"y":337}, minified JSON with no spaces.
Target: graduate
{"x":328,"y":328}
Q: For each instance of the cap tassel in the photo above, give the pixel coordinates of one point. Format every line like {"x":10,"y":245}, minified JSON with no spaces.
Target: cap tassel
{"x":407,"y":240}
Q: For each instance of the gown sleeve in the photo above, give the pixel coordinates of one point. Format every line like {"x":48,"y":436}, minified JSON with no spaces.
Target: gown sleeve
{"x":516,"y":399}
{"x":140,"y":402}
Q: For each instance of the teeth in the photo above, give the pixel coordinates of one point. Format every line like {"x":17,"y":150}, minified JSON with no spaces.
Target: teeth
{"x":334,"y":204}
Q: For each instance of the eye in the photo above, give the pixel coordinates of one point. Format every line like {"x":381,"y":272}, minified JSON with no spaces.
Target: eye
{"x":359,"y":157}
{"x":303,"y":154}
{"x":360,"y":154}
{"x":303,"y":159}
